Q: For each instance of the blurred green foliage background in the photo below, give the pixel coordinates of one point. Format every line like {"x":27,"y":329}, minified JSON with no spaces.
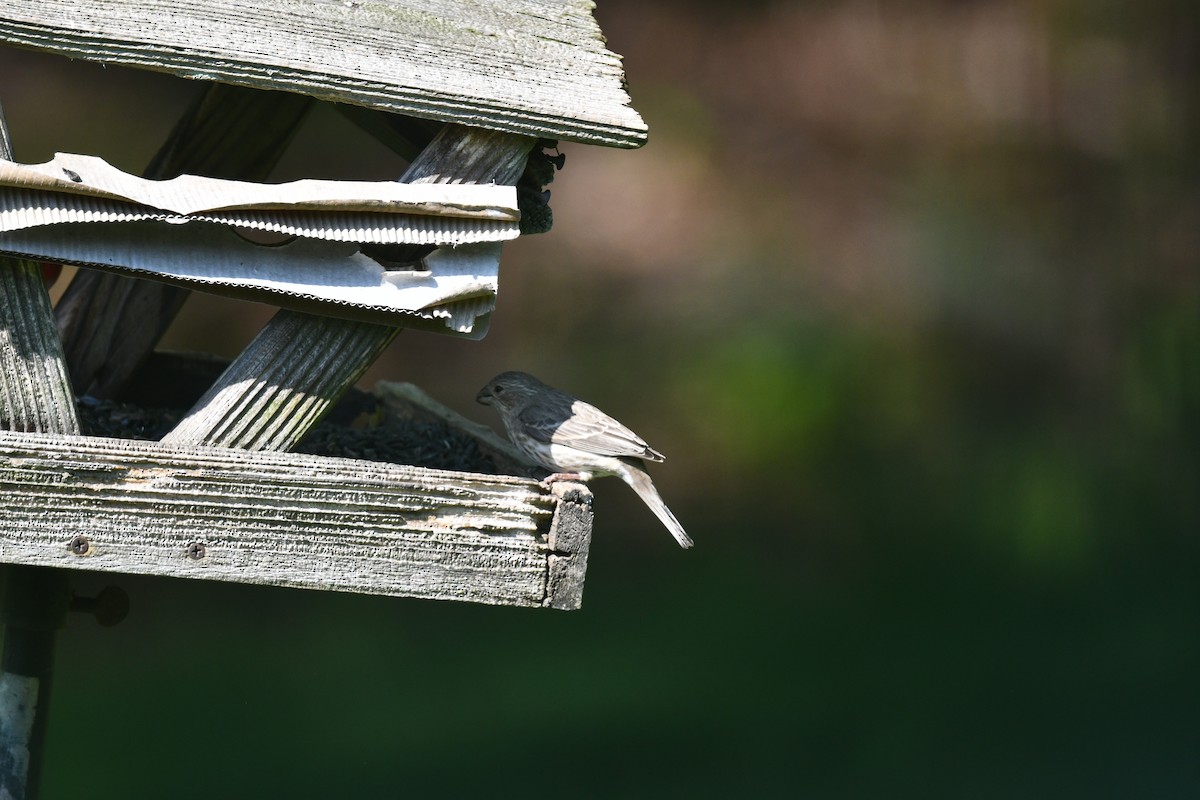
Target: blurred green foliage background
{"x":908,"y":294}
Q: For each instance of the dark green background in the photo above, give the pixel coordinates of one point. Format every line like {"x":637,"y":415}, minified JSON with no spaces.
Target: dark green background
{"x":908,"y":295}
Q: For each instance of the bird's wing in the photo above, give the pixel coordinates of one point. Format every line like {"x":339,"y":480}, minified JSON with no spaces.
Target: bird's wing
{"x":574,"y":423}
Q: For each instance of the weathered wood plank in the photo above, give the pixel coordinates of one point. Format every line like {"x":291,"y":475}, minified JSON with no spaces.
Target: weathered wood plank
{"x":35,"y":392}
{"x":299,"y":365}
{"x":278,"y":519}
{"x":570,"y":539}
{"x":533,"y":67}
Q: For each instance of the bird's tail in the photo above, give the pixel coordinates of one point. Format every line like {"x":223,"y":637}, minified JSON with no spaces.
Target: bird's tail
{"x":639,"y":479}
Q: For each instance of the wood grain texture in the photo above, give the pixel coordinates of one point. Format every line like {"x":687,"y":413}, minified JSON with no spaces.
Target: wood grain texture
{"x":35,"y":391}
{"x":280,"y":519}
{"x":570,"y":539}
{"x":298,"y":366}
{"x":534,"y":67}
{"x":283,"y":383}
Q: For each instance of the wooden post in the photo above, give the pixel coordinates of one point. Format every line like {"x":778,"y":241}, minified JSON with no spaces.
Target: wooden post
{"x":35,"y":395}
{"x":33,"y":607}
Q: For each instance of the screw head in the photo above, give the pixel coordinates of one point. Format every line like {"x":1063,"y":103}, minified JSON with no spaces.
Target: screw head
{"x":196,"y":551}
{"x":80,"y":545}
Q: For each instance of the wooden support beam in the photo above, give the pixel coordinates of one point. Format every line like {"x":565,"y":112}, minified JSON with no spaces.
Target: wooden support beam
{"x":283,"y":383}
{"x":35,"y":391}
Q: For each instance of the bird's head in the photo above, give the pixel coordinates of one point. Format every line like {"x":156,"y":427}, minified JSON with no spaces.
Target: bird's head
{"x":509,"y":389}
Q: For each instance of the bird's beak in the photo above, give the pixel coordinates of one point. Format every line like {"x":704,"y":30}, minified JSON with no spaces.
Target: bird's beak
{"x":484,"y":397}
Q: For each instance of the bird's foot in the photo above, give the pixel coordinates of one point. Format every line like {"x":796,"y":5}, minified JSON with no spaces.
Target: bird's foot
{"x":559,"y":477}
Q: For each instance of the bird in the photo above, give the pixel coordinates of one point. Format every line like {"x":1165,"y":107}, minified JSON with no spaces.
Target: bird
{"x":575,"y":440}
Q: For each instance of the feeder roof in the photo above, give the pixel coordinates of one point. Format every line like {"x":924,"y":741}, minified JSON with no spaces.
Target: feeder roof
{"x":533,"y":67}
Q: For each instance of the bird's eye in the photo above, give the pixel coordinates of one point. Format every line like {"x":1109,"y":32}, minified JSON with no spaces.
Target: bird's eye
{"x":498,"y":390}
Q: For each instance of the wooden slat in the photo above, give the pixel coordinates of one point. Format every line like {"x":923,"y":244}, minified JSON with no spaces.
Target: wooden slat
{"x":533,"y":67}
{"x":570,"y":539}
{"x":285,"y":519}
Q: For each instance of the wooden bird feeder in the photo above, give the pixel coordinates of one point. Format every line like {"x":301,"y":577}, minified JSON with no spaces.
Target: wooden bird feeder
{"x":469,"y":92}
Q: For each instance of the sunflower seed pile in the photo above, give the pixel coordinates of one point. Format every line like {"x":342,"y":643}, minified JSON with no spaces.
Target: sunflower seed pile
{"x":431,"y":444}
